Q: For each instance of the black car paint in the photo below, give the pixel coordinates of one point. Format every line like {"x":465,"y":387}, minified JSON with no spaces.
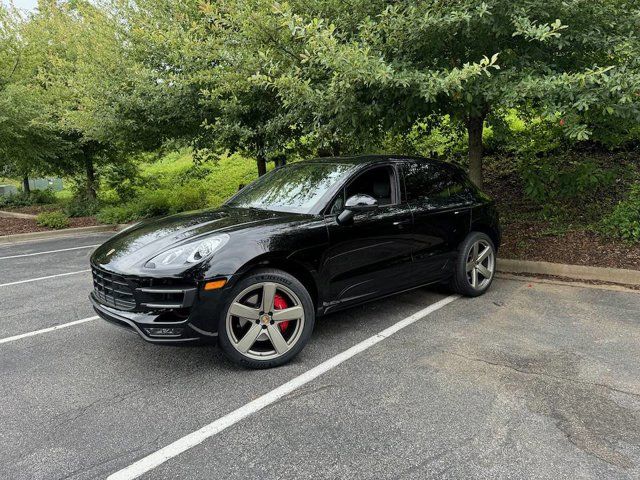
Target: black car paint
{"x":391,"y":248}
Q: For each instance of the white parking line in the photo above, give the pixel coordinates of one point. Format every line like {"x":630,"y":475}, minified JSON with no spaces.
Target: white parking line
{"x":43,"y":278}
{"x":49,"y":251}
{"x":45,"y":330}
{"x":191,"y":440}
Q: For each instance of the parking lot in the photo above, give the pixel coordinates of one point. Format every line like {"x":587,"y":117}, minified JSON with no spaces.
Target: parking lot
{"x":532,"y":380}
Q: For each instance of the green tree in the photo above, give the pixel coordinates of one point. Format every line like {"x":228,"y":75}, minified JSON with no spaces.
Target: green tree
{"x":27,"y":141}
{"x":192,"y":82}
{"x":373,"y":66}
{"x":158,"y":102}
{"x":80,"y":65}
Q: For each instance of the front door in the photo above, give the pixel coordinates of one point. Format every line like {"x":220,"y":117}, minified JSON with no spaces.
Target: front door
{"x":372,"y":256}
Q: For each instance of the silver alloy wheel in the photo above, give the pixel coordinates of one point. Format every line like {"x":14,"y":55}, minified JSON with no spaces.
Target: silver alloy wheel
{"x":480,"y":265}
{"x":254,"y":326}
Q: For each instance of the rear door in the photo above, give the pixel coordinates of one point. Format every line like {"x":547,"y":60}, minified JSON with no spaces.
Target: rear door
{"x":441,"y":202}
{"x":372,"y":256}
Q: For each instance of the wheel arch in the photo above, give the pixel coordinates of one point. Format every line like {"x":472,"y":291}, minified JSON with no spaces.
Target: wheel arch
{"x":301,"y":272}
{"x":487,"y":229}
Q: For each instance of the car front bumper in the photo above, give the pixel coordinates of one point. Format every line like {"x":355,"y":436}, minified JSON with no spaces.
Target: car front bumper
{"x":148,"y":326}
{"x":160,"y":310}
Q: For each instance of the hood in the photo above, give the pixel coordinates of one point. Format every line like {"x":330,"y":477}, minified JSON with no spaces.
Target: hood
{"x":135,"y":246}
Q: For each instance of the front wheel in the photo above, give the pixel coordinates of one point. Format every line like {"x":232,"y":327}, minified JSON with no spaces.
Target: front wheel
{"x":268,"y":320}
{"x":475,"y":265}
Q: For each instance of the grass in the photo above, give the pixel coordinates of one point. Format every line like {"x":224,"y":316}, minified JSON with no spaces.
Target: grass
{"x":162,"y":185}
{"x":174,"y":183}
{"x":10,"y":181}
{"x":219,"y":179}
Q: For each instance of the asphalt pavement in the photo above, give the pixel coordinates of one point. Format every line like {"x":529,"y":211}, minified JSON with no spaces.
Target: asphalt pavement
{"x":531,"y":380}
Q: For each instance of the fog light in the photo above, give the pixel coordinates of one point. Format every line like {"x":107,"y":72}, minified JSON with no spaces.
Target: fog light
{"x":163,"y":332}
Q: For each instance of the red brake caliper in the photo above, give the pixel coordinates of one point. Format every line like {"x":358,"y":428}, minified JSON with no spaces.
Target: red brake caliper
{"x":279,"y":303}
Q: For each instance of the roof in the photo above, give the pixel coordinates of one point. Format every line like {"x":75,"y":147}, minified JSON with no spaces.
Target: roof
{"x":364,"y":159}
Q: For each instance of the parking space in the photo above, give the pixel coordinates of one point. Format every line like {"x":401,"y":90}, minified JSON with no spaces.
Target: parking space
{"x":529,"y":381}
{"x":24,"y":262}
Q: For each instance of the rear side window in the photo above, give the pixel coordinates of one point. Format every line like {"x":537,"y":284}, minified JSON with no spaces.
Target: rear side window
{"x":436,"y":184}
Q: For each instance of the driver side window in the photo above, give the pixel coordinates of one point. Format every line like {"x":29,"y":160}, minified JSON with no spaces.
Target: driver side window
{"x":376,"y":182}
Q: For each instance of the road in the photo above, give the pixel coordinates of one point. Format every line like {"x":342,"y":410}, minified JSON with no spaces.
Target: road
{"x":532,"y":380}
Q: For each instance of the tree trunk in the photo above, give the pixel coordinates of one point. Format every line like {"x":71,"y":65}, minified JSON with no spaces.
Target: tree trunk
{"x":335,"y":149}
{"x":261,"y":157}
{"x":91,"y":178}
{"x":261,"y":160}
{"x":475,"y":126}
{"x":25,"y":185}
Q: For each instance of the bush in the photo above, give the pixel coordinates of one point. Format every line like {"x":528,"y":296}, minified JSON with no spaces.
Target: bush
{"x":624,"y":221}
{"x":155,"y":203}
{"x":174,"y":184}
{"x":118,"y":214}
{"x":123,"y":179}
{"x":82,"y":207}
{"x":55,"y":220}
{"x":36,"y":197}
{"x":548,"y":180}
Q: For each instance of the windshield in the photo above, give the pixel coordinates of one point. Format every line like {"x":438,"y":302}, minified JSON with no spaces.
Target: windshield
{"x":294,"y":188}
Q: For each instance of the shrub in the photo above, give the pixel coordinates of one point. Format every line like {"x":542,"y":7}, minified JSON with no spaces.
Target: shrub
{"x":82,"y":207}
{"x":123,"y":179}
{"x":547,"y":180}
{"x":42,"y":197}
{"x":624,"y":221}
{"x":55,"y":220}
{"x":192,"y":196}
{"x":152,"y":203}
{"x":155,"y":203}
{"x":118,"y":214}
{"x":174,"y":184}
{"x":36,"y":197}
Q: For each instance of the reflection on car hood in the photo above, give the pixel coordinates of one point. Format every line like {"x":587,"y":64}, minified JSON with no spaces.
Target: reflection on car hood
{"x":137,"y":245}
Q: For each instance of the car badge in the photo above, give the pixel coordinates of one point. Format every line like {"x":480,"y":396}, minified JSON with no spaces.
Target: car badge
{"x":111,"y":251}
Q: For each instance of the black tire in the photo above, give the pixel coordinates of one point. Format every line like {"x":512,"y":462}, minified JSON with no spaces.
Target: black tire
{"x":460,"y":282}
{"x":282,"y":280}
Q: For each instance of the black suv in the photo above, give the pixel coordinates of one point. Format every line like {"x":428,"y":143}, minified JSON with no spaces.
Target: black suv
{"x":306,"y":239}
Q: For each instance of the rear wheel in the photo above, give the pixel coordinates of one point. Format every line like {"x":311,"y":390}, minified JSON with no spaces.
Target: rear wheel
{"x":268,"y":320}
{"x":475,"y":265}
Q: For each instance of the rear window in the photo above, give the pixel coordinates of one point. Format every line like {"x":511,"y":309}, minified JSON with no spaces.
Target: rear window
{"x":433,"y":183}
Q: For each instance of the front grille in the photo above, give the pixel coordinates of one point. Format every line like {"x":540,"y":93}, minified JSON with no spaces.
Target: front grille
{"x":112,"y":290}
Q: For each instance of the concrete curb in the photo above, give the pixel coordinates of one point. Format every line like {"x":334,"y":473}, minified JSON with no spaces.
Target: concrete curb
{"x":531,"y":278}
{"x":26,"y":216}
{"x":578,"y":272}
{"x":68,"y":232}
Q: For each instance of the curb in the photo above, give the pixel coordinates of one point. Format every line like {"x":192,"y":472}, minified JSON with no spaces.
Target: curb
{"x":25,"y":216}
{"x":577,"y":272}
{"x":531,"y":278}
{"x":20,"y":237}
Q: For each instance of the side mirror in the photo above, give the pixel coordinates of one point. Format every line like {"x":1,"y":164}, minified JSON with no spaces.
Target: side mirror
{"x":356,"y":204}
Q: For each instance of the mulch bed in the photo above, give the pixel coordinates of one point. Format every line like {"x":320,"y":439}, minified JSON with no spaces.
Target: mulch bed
{"x":525,"y":236}
{"x":524,"y":241}
{"x":12,"y":226}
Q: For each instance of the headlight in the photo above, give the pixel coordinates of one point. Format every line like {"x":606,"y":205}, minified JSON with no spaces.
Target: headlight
{"x":188,"y":254}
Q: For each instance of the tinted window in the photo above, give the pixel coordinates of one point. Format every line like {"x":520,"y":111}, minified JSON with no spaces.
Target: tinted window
{"x":435,"y":184}
{"x":294,"y":188}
